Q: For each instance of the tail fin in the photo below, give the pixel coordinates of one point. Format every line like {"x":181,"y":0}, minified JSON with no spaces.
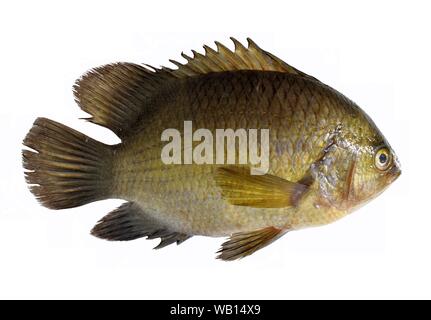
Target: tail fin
{"x":69,"y":169}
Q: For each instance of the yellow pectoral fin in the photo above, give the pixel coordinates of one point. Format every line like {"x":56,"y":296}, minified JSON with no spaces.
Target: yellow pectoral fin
{"x":240,"y":188}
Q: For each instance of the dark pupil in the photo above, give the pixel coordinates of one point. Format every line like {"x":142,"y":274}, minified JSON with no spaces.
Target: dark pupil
{"x":383,"y":158}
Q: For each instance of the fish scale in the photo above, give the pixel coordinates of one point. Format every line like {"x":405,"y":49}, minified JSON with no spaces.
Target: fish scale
{"x":202,"y":211}
{"x":326,"y":156}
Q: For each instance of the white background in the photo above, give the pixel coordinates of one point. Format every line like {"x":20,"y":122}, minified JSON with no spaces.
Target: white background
{"x":377,"y":53}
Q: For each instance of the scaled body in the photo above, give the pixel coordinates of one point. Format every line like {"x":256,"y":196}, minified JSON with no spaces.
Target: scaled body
{"x":326,"y":155}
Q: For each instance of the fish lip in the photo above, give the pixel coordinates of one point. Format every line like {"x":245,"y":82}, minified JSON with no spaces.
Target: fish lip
{"x":395,"y":172}
{"x":397,"y":175}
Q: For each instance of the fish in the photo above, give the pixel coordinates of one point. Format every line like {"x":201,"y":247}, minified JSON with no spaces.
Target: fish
{"x":326,"y":156}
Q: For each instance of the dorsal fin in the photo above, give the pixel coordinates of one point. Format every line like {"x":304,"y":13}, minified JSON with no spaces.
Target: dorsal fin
{"x":116,"y":94}
{"x":223,"y":59}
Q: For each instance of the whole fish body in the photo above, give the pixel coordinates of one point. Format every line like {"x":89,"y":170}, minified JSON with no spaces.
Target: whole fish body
{"x":326,"y":156}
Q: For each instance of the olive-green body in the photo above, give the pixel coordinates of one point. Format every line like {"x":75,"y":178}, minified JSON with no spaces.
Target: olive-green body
{"x":303,"y":116}
{"x":321,"y":156}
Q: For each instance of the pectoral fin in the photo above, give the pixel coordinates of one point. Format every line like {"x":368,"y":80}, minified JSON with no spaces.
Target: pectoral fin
{"x":243,"y":244}
{"x":240,"y":188}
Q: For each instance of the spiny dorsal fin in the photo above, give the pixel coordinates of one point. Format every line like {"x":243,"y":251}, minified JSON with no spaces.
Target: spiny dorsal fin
{"x":116,"y":94}
{"x":223,"y":59}
{"x":130,"y":221}
{"x":243,"y":244}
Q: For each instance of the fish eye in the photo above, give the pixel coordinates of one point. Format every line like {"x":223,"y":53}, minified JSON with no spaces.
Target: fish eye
{"x":383,"y":159}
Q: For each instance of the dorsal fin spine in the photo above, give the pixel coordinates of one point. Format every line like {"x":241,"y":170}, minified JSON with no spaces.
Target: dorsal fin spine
{"x":117,"y":94}
{"x":224,"y":59}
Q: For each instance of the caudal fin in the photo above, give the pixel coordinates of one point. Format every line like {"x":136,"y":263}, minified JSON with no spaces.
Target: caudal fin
{"x":66,"y":169}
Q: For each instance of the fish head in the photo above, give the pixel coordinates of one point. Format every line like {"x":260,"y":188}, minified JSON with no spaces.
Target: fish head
{"x":369,"y":166}
{"x":377,"y":167}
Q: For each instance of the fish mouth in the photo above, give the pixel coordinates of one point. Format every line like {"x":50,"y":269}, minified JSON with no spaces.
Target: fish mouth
{"x":394,"y":173}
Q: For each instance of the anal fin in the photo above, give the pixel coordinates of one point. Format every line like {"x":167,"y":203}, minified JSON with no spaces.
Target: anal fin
{"x":130,"y":221}
{"x":243,"y":244}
